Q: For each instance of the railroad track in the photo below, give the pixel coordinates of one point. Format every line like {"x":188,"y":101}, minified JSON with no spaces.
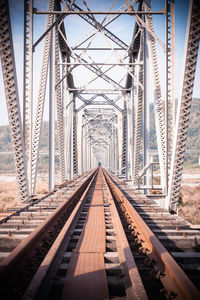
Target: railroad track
{"x":99,"y":247}
{"x":25,"y":218}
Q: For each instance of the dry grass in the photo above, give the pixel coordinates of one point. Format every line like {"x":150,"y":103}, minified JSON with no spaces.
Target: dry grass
{"x":189,"y":207}
{"x":9,"y":193}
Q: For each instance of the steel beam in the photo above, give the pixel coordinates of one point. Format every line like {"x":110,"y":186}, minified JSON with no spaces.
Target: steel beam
{"x":52,"y":112}
{"x":158,"y":102}
{"x":146,"y":111}
{"x":28,"y":86}
{"x":41,"y":97}
{"x":12,"y":99}
{"x":138,"y":114}
{"x":184,"y":104}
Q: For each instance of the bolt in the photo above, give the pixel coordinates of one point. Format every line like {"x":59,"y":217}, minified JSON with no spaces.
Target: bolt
{"x":159,"y":275}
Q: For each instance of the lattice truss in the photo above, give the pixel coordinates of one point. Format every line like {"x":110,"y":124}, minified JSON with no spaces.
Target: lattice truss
{"x":101,"y":135}
{"x":102,"y":68}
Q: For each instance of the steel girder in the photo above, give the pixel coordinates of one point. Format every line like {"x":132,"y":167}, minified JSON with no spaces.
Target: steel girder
{"x":60,"y":114}
{"x":171,"y":70}
{"x":52,"y":100}
{"x":124,"y":140}
{"x":41,"y":96}
{"x":184,"y":105}
{"x":99,"y":26}
{"x":158,"y":103}
{"x":138,"y":115}
{"x":12,"y":98}
{"x":66,"y":53}
{"x":28,"y":7}
{"x":69,"y":134}
{"x":28,"y":86}
{"x":100,"y":73}
{"x":101,"y":128}
{"x":130,"y":135}
{"x":91,"y":102}
{"x":75,"y":153}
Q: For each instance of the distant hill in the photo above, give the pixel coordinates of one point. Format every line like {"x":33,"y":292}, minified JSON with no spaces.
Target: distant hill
{"x":7,"y":161}
{"x":193,"y":137}
{"x":193,"y":141}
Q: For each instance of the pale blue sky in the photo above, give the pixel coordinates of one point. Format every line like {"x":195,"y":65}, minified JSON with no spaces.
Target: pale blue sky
{"x":121,"y":28}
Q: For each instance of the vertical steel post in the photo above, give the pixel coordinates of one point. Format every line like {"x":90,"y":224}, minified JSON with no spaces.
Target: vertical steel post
{"x":146,"y":105}
{"x":28,"y":88}
{"x":158,"y":102}
{"x":64,"y":104}
{"x":88,"y":154}
{"x":82,"y":159}
{"x":173,"y":100}
{"x":71,"y":152}
{"x":26,"y":14}
{"x":109,"y":164}
{"x":85,"y":148}
{"x":129,"y":137}
{"x":52,"y":113}
{"x":90,"y":145}
{"x":138,"y":112}
{"x":124,"y":140}
{"x":74,"y":141}
{"x":114,"y":148}
{"x":69,"y":124}
{"x":166,"y":97}
{"x":117,"y":150}
{"x":41,"y":95}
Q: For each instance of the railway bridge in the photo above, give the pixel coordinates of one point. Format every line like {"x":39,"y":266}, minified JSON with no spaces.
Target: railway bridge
{"x":106,"y":229}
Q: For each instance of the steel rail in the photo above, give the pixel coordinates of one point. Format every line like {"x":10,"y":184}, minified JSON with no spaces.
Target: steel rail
{"x":177,"y":281}
{"x":40,"y":281}
{"x":33,"y":201}
{"x":39,"y":287}
{"x":127,"y":261}
{"x":13,"y":263}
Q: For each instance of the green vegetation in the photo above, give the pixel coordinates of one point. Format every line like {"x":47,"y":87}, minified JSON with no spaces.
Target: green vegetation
{"x":7,"y":160}
{"x":191,"y":160}
{"x":193,"y":137}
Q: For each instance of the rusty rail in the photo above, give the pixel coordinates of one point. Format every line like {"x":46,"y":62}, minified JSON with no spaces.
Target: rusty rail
{"x":9,"y":266}
{"x":172,"y":276}
{"x":53,"y":257}
{"x":89,"y":257}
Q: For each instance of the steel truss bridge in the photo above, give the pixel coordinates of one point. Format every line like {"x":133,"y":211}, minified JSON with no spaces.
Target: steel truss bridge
{"x":100,"y":87}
